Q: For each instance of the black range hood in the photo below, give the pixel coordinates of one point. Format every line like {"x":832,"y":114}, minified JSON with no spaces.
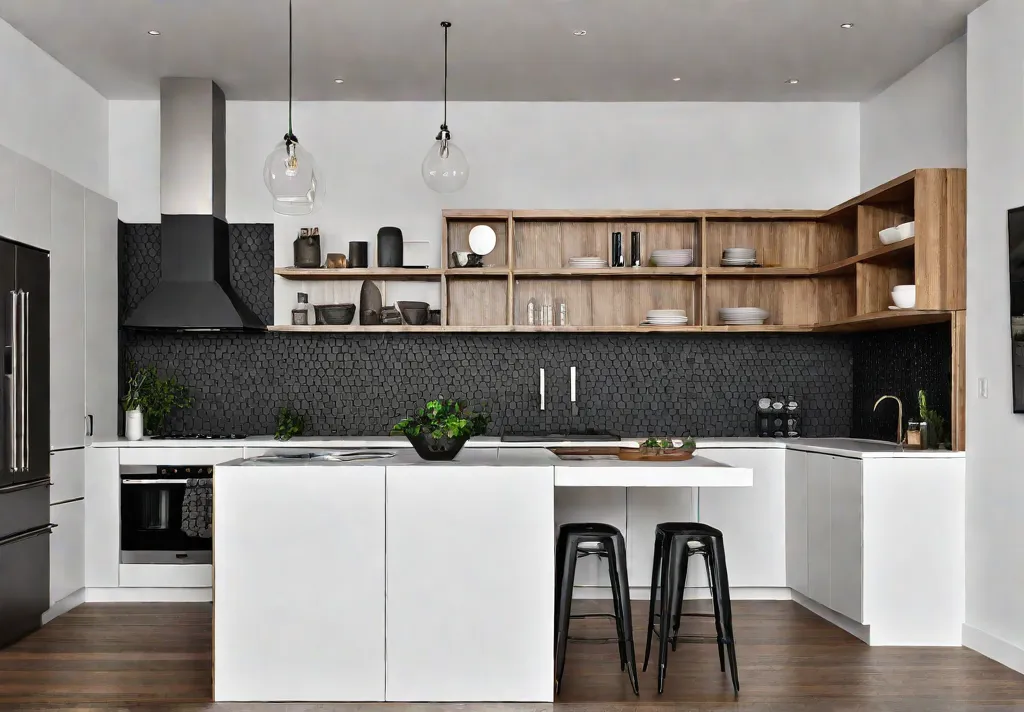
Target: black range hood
{"x":194,"y":292}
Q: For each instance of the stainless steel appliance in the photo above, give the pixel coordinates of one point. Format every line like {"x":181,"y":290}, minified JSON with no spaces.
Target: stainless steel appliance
{"x":152,"y":500}
{"x":25,"y":438}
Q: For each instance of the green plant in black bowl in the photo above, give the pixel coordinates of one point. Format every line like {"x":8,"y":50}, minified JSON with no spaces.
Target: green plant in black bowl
{"x":440,"y":428}
{"x":289,"y":424}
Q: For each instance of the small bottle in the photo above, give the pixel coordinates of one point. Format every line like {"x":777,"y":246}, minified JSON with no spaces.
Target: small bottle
{"x":300,"y":314}
{"x":563,"y":314}
{"x":635,"y":258}
{"x":618,"y":260}
{"x":547,"y":315}
{"x":531,"y":312}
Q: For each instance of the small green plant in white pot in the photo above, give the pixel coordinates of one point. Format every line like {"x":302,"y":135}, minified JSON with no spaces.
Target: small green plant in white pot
{"x":133,"y":400}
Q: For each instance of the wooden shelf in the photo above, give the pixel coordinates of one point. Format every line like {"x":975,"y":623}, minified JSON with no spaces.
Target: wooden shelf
{"x":476,"y":272}
{"x":759,"y":328}
{"x":889,"y":319}
{"x":617,"y":272}
{"x":392,"y":273}
{"x":522,"y":328}
{"x":356,"y":329}
{"x":758,"y":271}
{"x":902,"y":251}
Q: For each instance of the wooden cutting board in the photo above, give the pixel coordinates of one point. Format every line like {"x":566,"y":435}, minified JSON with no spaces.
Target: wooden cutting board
{"x":629,"y":454}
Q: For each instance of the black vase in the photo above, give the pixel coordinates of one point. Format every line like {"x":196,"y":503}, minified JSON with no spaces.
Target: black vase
{"x":389,"y":247}
{"x":357,"y":254}
{"x":307,"y":251}
{"x":441,"y":449}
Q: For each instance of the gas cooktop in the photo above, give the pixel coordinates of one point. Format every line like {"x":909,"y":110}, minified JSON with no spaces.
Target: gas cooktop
{"x":197,"y":436}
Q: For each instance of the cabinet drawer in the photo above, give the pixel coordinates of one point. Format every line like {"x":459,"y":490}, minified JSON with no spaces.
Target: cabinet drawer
{"x":183,"y":456}
{"x":67,"y":472}
{"x":67,"y":549}
{"x":24,"y":507}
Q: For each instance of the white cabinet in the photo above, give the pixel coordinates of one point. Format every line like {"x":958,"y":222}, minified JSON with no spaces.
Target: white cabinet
{"x":101,"y":317}
{"x":796,"y":521}
{"x":67,"y":473}
{"x":67,"y":314}
{"x":819,"y":529}
{"x":470,"y":564}
{"x":8,"y":183}
{"x":752,"y":519}
{"x":846,"y":537}
{"x":103,"y":517}
{"x":67,"y":550}
{"x":32,"y":203}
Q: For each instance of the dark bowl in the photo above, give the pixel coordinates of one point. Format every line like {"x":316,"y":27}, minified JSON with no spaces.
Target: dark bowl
{"x":412,"y":305}
{"x":414,"y":316}
{"x":334,"y":314}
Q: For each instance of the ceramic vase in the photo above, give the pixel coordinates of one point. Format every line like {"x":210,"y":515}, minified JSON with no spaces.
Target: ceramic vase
{"x":133,"y":425}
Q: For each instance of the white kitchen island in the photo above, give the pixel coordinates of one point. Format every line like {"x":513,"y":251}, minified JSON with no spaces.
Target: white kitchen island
{"x":401,"y":579}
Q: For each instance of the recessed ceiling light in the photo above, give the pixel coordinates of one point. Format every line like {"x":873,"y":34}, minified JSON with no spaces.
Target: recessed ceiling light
{"x":847,"y":25}
{"x":580,"y":33}
{"x":792,"y":81}
{"x":154,"y":32}
{"x":677,"y":79}
{"x":339,"y":80}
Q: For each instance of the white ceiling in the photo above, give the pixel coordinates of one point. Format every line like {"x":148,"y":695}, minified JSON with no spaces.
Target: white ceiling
{"x":507,"y":50}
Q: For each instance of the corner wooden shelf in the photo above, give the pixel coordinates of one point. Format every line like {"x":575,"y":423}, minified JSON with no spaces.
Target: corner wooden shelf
{"x":610,"y":272}
{"x":356,"y":329}
{"x":373,"y":274}
{"x":889,"y":319}
{"x":758,"y":272}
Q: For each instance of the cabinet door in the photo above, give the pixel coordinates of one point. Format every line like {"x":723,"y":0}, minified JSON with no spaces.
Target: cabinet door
{"x":8,"y":181}
{"x":101,"y":316}
{"x":67,"y":549}
{"x":67,"y":315}
{"x":471,"y":578}
{"x":67,"y":473}
{"x":31,"y":203}
{"x":819,"y":528}
{"x":752,"y":519}
{"x":846,"y":537}
{"x":103,"y":525}
{"x":796,"y":521}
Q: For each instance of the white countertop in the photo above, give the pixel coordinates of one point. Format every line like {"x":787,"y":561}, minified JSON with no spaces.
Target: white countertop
{"x":843,"y":447}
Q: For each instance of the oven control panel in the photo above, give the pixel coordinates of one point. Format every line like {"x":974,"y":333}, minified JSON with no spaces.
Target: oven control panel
{"x":189,"y":471}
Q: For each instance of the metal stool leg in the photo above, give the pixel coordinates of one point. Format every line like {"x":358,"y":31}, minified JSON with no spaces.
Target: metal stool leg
{"x":659,"y":542}
{"x":564,"y":609}
{"x":618,"y":556}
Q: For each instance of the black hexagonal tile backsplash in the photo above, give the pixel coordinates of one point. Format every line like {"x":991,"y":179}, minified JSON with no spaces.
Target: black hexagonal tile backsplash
{"x":361,"y":384}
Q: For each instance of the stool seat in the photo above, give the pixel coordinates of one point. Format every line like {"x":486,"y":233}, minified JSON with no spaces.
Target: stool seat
{"x":580,"y":539}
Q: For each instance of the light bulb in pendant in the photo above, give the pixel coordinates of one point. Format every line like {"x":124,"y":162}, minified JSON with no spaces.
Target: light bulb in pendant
{"x":445,"y":168}
{"x":293,"y":179}
{"x":292,"y":162}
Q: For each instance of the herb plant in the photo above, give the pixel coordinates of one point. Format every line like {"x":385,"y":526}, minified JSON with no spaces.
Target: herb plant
{"x":444,"y":418}
{"x":156,"y":397}
{"x":289,"y":424}
{"x":666,"y":444}
{"x":936,"y":423}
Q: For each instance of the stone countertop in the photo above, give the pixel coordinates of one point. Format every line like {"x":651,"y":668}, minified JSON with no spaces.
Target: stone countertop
{"x":843,"y":447}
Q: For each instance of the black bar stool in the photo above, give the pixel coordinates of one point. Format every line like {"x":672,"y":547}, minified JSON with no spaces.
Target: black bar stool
{"x":674,"y":544}
{"x":576,"y":541}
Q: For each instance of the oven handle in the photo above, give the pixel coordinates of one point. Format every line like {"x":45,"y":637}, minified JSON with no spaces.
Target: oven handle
{"x":155,"y":482}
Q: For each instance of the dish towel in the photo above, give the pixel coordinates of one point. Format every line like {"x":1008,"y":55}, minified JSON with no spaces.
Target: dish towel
{"x":197,"y":508}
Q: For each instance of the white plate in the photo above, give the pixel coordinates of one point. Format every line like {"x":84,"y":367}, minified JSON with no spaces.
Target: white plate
{"x":482,"y":239}
{"x":666,"y":312}
{"x":668,"y":319}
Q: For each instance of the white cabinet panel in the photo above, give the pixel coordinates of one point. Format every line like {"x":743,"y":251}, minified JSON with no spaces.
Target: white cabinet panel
{"x":67,"y":314}
{"x":103,"y":517}
{"x":819,"y":528}
{"x":8,"y":181}
{"x":101,"y":316}
{"x":752,"y":519}
{"x":483,"y":631}
{"x":184,"y":456}
{"x":300,"y":583}
{"x":32,"y":203}
{"x":67,"y":550}
{"x":166,"y":576}
{"x":796,"y":521}
{"x":846,"y":537}
{"x":67,"y":472}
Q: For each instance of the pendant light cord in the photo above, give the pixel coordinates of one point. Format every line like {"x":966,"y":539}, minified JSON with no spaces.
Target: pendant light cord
{"x":291,"y":135}
{"x":445,"y":25}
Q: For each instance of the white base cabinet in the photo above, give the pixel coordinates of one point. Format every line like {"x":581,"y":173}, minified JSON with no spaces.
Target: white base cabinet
{"x":67,"y":549}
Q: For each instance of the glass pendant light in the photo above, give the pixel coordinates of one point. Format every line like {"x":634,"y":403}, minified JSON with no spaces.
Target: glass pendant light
{"x":445,"y":169}
{"x":290,"y":172}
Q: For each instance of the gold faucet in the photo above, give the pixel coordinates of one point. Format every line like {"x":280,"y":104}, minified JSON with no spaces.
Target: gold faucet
{"x":899,"y":417}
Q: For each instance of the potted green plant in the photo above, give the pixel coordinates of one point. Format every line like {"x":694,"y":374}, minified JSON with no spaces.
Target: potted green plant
{"x":440,"y":429}
{"x":132,"y":403}
{"x":935,"y":432}
{"x":155,"y":397}
{"x":289,"y":424}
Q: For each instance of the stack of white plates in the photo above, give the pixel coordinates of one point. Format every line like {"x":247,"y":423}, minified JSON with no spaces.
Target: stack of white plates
{"x":739,"y":257}
{"x":666,"y":317}
{"x":731,"y":316}
{"x":587,"y":262}
{"x":672,"y":258}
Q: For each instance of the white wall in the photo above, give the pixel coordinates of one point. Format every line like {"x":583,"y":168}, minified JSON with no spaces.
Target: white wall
{"x":918,"y":122}
{"x":49,"y":115}
{"x":543,"y":155}
{"x":995,"y":437}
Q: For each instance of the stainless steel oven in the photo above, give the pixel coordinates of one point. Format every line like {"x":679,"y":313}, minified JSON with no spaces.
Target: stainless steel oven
{"x":153,"y":500}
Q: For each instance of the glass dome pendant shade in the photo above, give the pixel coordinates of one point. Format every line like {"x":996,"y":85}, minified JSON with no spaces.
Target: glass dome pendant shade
{"x":293,"y":179}
{"x":445,"y":168}
{"x":290,"y":172}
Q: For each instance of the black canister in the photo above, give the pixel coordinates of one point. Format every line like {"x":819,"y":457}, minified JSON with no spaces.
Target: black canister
{"x":389,"y":247}
{"x":617,"y":255}
{"x":307,"y":249}
{"x":635,"y":258}
{"x":357,"y":254}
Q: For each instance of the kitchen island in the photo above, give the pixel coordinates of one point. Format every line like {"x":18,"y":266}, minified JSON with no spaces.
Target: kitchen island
{"x":401,"y":579}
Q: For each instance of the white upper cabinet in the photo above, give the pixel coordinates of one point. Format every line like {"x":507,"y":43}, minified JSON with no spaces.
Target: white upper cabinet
{"x":101,"y":316}
{"x":8,"y":222}
{"x":67,"y":314}
{"x":32,"y":203}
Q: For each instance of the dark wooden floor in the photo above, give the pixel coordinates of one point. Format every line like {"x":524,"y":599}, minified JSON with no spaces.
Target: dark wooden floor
{"x":157,"y":657}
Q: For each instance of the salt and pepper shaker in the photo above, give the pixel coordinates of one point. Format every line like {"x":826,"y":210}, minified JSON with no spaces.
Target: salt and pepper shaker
{"x":635,"y":258}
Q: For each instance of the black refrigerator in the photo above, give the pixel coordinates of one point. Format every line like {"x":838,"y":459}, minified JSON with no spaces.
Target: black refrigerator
{"x":25,"y":427}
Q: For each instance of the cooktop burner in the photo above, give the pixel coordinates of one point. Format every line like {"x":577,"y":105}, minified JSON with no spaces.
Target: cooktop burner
{"x":196,"y":436}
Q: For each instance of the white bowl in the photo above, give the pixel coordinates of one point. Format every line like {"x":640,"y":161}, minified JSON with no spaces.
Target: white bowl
{"x":904,"y":296}
{"x":890,"y":235}
{"x":907,"y":230}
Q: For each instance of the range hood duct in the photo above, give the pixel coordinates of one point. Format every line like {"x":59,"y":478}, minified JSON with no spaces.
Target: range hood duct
{"x":194,"y":292}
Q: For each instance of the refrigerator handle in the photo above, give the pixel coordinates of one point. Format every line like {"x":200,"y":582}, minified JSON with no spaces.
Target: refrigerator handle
{"x":12,"y":386}
{"x":23,"y":385}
